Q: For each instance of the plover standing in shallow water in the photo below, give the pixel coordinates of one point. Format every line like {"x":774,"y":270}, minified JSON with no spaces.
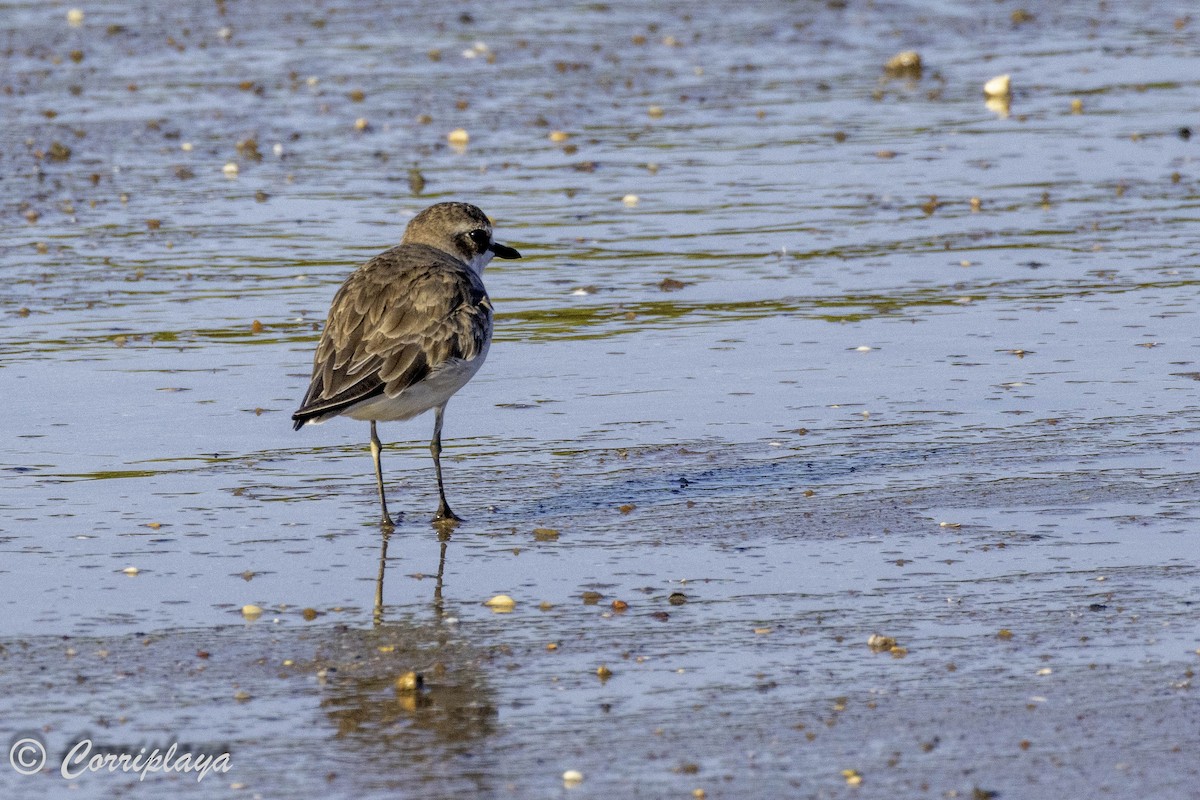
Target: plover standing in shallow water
{"x":407,"y":330}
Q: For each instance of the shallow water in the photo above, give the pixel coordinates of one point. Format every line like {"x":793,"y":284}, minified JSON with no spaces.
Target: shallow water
{"x":802,"y":381}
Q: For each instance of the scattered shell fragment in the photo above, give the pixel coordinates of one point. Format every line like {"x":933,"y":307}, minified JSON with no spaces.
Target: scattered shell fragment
{"x":905,"y":64}
{"x":58,"y":152}
{"x":630,"y":200}
{"x":1045,"y":671}
{"x":603,"y":672}
{"x":852,"y":777}
{"x":878,"y":641}
{"x":655,"y":112}
{"x":1076,"y":106}
{"x":999,"y":86}
{"x":361,"y":124}
{"x":559,"y":136}
{"x":863,"y":348}
{"x":241,"y":695}
{"x":75,"y":17}
{"x":572,"y":777}
{"x":458,"y":137}
{"x":501,"y":604}
{"x":251,"y":611}
{"x":230,"y":170}
{"x":131,"y":570}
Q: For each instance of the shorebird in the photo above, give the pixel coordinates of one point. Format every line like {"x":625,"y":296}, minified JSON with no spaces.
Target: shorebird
{"x":407,"y":330}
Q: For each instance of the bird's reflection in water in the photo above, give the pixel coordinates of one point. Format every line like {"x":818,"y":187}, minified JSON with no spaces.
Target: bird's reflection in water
{"x":407,"y":734}
{"x":443,"y":534}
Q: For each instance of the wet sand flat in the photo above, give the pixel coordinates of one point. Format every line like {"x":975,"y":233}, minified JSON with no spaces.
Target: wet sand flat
{"x":840,"y":437}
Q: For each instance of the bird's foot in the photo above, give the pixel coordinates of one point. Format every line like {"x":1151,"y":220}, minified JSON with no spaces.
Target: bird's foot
{"x":446,"y":517}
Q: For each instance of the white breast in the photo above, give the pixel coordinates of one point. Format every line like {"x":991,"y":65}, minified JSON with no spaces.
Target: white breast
{"x":437,"y":388}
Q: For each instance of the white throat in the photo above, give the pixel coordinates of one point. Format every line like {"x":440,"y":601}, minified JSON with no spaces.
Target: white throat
{"x":478,"y":262}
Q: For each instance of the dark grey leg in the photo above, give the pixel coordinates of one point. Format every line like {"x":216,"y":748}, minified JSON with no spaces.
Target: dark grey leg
{"x":435,"y":447}
{"x":376,"y":449}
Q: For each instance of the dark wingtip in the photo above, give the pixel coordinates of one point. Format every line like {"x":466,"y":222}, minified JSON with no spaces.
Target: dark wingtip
{"x":299,"y":423}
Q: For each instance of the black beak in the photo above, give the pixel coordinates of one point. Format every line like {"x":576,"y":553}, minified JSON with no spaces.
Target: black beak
{"x":504,"y":251}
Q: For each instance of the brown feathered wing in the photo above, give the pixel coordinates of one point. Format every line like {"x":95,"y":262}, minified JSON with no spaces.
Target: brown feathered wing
{"x":393,"y":321}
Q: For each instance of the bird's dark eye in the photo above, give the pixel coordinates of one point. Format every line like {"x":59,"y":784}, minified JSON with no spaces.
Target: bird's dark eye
{"x":481,"y":239}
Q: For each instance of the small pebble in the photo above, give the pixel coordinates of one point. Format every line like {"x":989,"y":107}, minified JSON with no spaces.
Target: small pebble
{"x":230,"y":170}
{"x":458,"y":137}
{"x":409,"y":682}
{"x":251,"y":611}
{"x":75,"y":17}
{"x":131,"y":570}
{"x":501,"y":603}
{"x":572,"y":777}
{"x":630,"y":200}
